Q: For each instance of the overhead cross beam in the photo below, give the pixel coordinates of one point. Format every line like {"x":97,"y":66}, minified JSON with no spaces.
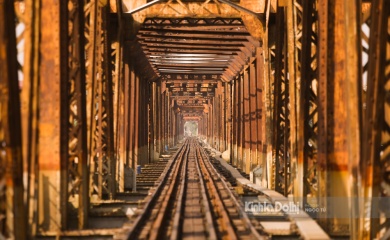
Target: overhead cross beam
{"x":213,"y":51}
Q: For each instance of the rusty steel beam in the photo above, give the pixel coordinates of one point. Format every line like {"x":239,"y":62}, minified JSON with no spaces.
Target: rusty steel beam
{"x":243,"y":9}
{"x":190,"y":21}
{"x":117,"y":72}
{"x":75,"y":177}
{"x":229,"y":120}
{"x":194,"y":31}
{"x":268,"y":107}
{"x":219,"y":115}
{"x":353,"y":75}
{"x":210,"y":122}
{"x":294,"y":47}
{"x":145,"y":6}
{"x":234,"y":121}
{"x":109,"y":168}
{"x":333,"y":119}
{"x":260,"y":109}
{"x":53,"y":118}
{"x":101,"y":139}
{"x":136,"y":150}
{"x":241,"y":130}
{"x":164,"y":119}
{"x":152,"y":122}
{"x":247,"y":158}
{"x":117,"y":68}
{"x":308,"y":114}
{"x":171,"y":10}
{"x":196,"y":42}
{"x":376,"y":124}
{"x":29,"y":106}
{"x":322,"y":106}
{"x":12,"y":210}
{"x":200,"y":38}
{"x":132,"y":116}
{"x":252,"y":113}
{"x":281,"y":140}
{"x":224,"y":120}
{"x":203,"y":9}
{"x":90,"y":9}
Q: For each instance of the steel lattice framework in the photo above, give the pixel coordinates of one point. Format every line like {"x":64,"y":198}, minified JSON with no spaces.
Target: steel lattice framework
{"x":90,"y":89}
{"x":99,"y":104}
{"x":75,"y":159}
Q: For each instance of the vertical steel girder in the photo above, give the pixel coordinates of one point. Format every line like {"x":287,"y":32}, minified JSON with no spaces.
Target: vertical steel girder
{"x":159,"y":118}
{"x":152,"y":120}
{"x":144,"y":121}
{"x":228,"y":119}
{"x":75,"y":179}
{"x":246,"y":122}
{"x":53,"y":118}
{"x":267,"y":80}
{"x":295,"y":100}
{"x":294,"y":23}
{"x":131,"y":81}
{"x":117,"y":70}
{"x":281,"y":141}
{"x":308,"y":114}
{"x":136,"y":107}
{"x":162,"y":96}
{"x":241,"y":130}
{"x":353,"y":87}
{"x":12,"y":210}
{"x":120,"y":105}
{"x":101,"y":139}
{"x":338,"y":113}
{"x":376,"y":136}
{"x":264,"y":114}
{"x":235,"y":122}
{"x":253,"y":95}
{"x":29,"y":105}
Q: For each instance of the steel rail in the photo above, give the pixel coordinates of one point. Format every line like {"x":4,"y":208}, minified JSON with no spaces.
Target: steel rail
{"x":244,"y":216}
{"x":137,"y":225}
{"x":178,"y":224}
{"x":180,"y":206}
{"x":158,"y":224}
{"x":163,"y":219}
{"x":226,"y":223}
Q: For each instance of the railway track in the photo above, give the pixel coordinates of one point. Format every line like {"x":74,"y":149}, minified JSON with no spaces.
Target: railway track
{"x":192,"y":201}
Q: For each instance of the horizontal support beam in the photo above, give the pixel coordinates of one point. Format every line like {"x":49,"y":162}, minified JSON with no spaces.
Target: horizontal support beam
{"x":191,"y":71}
{"x":191,"y":64}
{"x":194,"y":22}
{"x":242,"y":9}
{"x":191,"y":97}
{"x":189,"y":51}
{"x":191,"y":78}
{"x":215,"y":42}
{"x":215,"y":57}
{"x":167,"y":37}
{"x":196,"y":32}
{"x":191,"y":48}
{"x":143,"y":7}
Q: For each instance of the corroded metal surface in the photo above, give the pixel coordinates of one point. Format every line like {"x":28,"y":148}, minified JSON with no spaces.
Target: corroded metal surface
{"x":283,"y":89}
{"x":376,"y":135}
{"x":12,"y":210}
{"x":101,"y":107}
{"x":281,"y":139}
{"x":77,"y":168}
{"x":308,"y":116}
